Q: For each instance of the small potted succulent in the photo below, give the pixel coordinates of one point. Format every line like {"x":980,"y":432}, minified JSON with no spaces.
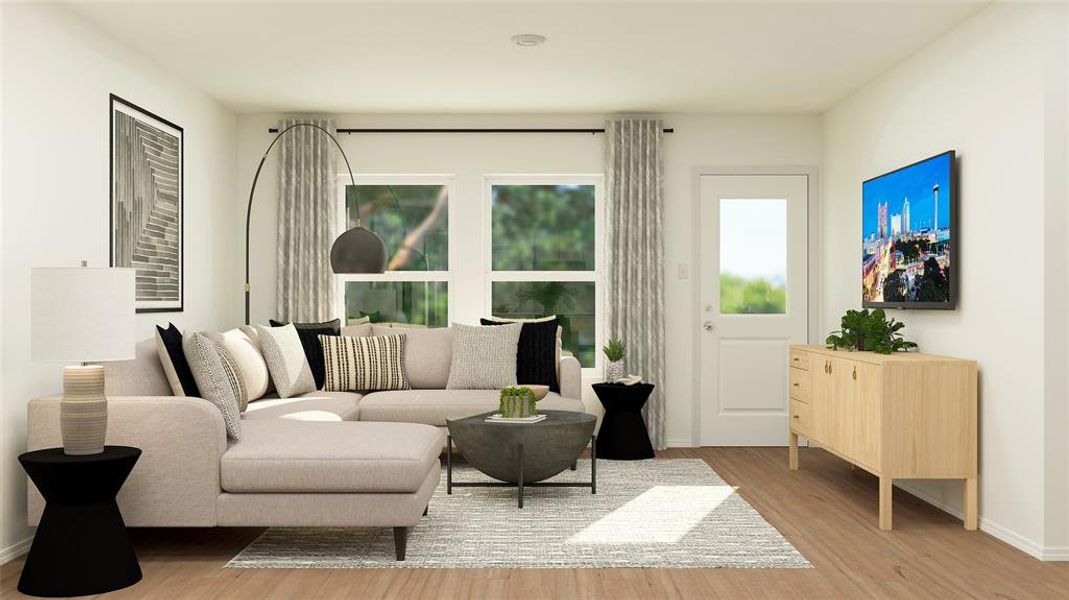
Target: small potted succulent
{"x":614,"y":357}
{"x":518,"y":402}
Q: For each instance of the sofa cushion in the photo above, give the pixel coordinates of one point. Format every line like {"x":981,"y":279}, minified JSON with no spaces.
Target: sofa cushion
{"x":428,"y":354}
{"x":484,"y":358}
{"x":280,"y":456}
{"x":433,"y":407}
{"x":142,"y":376}
{"x":312,"y":406}
{"x":364,"y":363}
{"x":313,"y":349}
{"x":249,"y":360}
{"x":284,"y":354}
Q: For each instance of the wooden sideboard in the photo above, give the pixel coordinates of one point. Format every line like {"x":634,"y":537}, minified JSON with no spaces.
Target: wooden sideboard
{"x":898,"y":416}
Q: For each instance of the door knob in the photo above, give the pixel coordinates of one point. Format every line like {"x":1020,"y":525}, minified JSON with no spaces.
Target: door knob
{"x":708,"y":325}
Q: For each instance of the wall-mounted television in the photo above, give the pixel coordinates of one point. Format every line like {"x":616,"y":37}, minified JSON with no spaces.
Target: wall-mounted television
{"x":908,"y":232}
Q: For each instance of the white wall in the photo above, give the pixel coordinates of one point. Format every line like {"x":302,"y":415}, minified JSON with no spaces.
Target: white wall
{"x":57,"y":74}
{"x":980,"y":90}
{"x":722,"y":141}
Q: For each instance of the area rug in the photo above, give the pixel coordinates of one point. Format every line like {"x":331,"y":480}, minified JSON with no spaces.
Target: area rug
{"x":663,"y":513}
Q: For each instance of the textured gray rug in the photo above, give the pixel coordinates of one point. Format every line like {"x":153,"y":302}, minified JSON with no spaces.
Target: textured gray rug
{"x":666,"y":513}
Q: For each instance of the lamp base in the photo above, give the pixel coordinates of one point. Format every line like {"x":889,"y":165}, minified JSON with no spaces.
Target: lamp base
{"x":83,"y":411}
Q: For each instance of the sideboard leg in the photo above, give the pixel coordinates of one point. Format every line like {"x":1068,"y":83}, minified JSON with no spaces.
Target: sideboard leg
{"x":792,"y":451}
{"x":885,"y":503}
{"x":971,"y":508}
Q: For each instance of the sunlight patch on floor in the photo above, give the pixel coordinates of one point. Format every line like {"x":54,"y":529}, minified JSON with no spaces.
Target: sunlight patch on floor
{"x":660,"y":515}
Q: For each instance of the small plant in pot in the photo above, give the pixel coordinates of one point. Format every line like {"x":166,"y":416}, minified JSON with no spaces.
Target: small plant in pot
{"x":869,"y":331}
{"x":614,"y":357}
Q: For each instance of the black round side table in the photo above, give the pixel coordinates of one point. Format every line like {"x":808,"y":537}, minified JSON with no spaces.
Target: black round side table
{"x":623,"y":434}
{"x":81,"y":546}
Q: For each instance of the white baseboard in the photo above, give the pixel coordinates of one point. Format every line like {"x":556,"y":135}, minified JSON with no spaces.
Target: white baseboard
{"x":1056,"y":553}
{"x":15,"y":550}
{"x":1029,"y":547}
{"x":680,"y":443}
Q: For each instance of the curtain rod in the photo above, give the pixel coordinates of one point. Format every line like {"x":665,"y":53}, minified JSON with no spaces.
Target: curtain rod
{"x":467,"y":130}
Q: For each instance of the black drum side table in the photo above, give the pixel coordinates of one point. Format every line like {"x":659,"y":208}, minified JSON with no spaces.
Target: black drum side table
{"x":81,"y":546}
{"x":623,"y":434}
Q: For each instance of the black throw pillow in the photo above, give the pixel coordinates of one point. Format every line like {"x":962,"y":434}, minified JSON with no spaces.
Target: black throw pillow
{"x":172,"y":343}
{"x":313,"y":349}
{"x":536,"y":354}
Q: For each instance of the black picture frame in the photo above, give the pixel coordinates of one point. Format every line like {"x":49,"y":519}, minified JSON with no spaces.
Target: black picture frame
{"x":157,"y":151}
{"x":955,"y":241}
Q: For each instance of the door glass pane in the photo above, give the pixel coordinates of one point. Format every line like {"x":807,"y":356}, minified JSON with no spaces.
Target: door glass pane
{"x":414,"y":302}
{"x":412,"y":220}
{"x":542,"y":227}
{"x":753,"y":256}
{"x":571,"y":301}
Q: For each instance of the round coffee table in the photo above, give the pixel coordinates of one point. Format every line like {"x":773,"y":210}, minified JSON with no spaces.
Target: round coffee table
{"x":522,"y":454}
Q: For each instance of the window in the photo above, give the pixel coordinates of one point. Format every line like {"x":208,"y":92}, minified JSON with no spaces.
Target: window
{"x":411,"y":214}
{"x":753,"y":256}
{"x":545,"y":255}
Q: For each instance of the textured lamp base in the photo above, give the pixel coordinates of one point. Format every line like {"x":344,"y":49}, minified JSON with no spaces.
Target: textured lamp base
{"x":83,"y":412}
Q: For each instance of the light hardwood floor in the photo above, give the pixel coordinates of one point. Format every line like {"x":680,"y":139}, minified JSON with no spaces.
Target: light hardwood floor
{"x":827,"y":510}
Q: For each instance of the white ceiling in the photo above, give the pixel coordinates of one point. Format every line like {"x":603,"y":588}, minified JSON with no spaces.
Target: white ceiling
{"x":456,"y":57}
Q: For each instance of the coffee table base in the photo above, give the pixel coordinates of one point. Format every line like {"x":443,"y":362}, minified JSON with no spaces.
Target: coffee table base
{"x":520,"y":485}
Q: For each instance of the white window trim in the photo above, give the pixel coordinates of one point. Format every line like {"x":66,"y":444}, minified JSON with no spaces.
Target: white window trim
{"x":597,"y":276}
{"x":399,"y":276}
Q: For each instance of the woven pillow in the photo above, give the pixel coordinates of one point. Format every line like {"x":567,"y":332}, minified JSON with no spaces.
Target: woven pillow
{"x":536,"y":355}
{"x":364,"y":364}
{"x":285,"y":360}
{"x":218,"y":378}
{"x":484,"y":358}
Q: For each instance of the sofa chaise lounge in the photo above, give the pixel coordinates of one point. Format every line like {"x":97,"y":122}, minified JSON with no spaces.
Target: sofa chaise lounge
{"x":323,"y":459}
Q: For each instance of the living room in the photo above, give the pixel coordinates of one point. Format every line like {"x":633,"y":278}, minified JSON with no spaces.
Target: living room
{"x":635,"y":172}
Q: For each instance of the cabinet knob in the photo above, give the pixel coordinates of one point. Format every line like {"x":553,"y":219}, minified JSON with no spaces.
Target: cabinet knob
{"x":795,"y":416}
{"x":855,"y":373}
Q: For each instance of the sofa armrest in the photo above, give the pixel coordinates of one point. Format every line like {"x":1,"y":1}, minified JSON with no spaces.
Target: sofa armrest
{"x":176,"y":481}
{"x":571,"y":378}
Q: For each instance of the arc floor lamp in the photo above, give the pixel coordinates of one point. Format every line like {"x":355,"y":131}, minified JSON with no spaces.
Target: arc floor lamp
{"x":358,"y":250}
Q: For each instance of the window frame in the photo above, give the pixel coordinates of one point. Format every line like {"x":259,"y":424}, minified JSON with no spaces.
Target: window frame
{"x":340,"y":279}
{"x":596,"y":276}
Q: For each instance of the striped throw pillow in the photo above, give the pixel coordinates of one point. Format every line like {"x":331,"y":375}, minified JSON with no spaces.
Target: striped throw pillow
{"x":364,"y":364}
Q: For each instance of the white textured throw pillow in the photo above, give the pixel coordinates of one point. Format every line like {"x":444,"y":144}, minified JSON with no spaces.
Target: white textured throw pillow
{"x":364,"y":364}
{"x":218,"y":378}
{"x":484,"y":358}
{"x":285,"y":360}
{"x":250,"y":362}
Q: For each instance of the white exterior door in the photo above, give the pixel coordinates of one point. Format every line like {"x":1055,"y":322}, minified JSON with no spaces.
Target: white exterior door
{"x":754,"y":303}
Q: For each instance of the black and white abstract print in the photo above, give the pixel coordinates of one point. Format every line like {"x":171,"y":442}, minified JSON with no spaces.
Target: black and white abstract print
{"x":146,"y":204}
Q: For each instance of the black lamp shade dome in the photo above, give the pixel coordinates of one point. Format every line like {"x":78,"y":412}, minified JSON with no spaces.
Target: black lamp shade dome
{"x":358,"y":250}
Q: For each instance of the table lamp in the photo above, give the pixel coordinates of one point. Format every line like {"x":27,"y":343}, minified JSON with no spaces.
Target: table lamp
{"x":80,"y":315}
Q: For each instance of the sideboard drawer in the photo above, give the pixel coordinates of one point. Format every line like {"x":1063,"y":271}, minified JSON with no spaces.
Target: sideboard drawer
{"x":799,"y":385}
{"x":800,"y":416}
{"x":799,"y":359}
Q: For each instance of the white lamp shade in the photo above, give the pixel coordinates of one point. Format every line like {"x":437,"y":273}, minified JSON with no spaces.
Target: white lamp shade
{"x":82,"y":314}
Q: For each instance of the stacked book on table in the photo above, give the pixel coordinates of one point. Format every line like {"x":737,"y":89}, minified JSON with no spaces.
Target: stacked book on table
{"x":497,"y":418}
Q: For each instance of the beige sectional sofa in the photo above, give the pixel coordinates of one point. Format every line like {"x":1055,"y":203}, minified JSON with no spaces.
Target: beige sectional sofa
{"x":324,"y":459}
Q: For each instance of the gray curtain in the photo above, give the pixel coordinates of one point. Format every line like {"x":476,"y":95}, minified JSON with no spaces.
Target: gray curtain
{"x":307,"y":209}
{"x":635,"y":258}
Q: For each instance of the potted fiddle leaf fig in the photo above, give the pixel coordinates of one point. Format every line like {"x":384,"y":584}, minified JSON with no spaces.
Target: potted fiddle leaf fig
{"x":614,"y":356}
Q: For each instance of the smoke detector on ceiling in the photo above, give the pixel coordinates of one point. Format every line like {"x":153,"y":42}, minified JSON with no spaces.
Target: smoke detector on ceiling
{"x":528,"y":40}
